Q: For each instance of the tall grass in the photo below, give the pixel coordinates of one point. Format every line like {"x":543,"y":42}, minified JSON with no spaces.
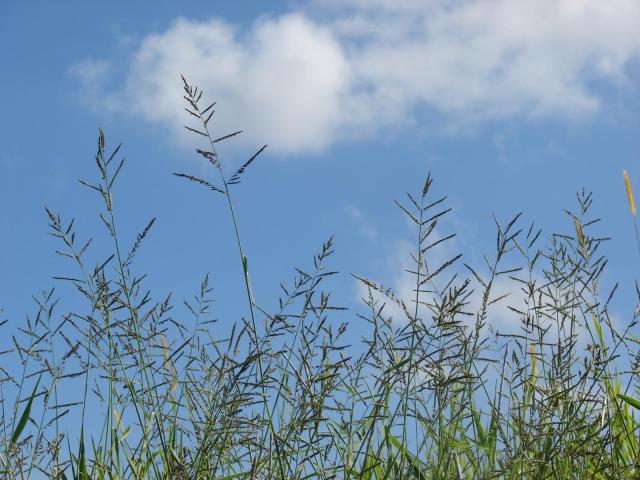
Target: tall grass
{"x":432,"y":391}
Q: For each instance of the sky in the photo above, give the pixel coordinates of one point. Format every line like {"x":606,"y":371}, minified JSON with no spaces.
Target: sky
{"x":511,"y":106}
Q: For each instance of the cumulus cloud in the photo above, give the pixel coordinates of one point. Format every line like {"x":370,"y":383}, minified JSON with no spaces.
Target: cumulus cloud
{"x":281,"y":82}
{"x":346,"y":68}
{"x":489,"y":59}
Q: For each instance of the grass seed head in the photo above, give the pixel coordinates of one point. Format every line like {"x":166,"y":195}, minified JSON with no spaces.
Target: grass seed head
{"x":630,"y":199}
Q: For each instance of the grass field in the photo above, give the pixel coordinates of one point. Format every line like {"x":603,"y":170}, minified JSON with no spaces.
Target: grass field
{"x":429,"y":394}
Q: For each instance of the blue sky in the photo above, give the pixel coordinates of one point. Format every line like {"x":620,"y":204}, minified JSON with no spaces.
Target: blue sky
{"x":510,"y":105}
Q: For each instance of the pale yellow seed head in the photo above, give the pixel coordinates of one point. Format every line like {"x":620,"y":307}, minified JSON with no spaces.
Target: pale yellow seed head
{"x":165,"y":347}
{"x":534,"y":360}
{"x":174,"y":374}
{"x":579,"y":232}
{"x":627,"y":185}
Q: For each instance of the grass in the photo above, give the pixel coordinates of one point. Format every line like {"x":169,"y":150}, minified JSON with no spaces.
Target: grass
{"x":432,"y":392}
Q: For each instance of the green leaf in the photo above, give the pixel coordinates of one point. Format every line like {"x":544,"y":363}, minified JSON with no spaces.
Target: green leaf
{"x":635,"y":403}
{"x":478,"y":424}
{"x":417,"y":466}
{"x":82,"y":461}
{"x":25,"y":415}
{"x":398,"y":365}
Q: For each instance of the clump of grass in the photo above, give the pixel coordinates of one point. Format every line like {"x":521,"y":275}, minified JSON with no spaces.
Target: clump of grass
{"x":434,"y":390}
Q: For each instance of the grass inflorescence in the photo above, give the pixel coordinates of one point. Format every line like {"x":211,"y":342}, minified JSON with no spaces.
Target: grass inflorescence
{"x":432,"y":391}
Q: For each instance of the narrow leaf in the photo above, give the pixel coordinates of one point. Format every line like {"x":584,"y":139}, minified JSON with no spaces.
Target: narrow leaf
{"x":25,"y":415}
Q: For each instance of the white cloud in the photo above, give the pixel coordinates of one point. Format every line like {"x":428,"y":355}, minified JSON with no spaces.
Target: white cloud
{"x":93,"y":76}
{"x":506,"y":293}
{"x":302,"y":82}
{"x":281,"y":83}
{"x":362,"y":223}
{"x":402,"y":283}
{"x":489,"y":59}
